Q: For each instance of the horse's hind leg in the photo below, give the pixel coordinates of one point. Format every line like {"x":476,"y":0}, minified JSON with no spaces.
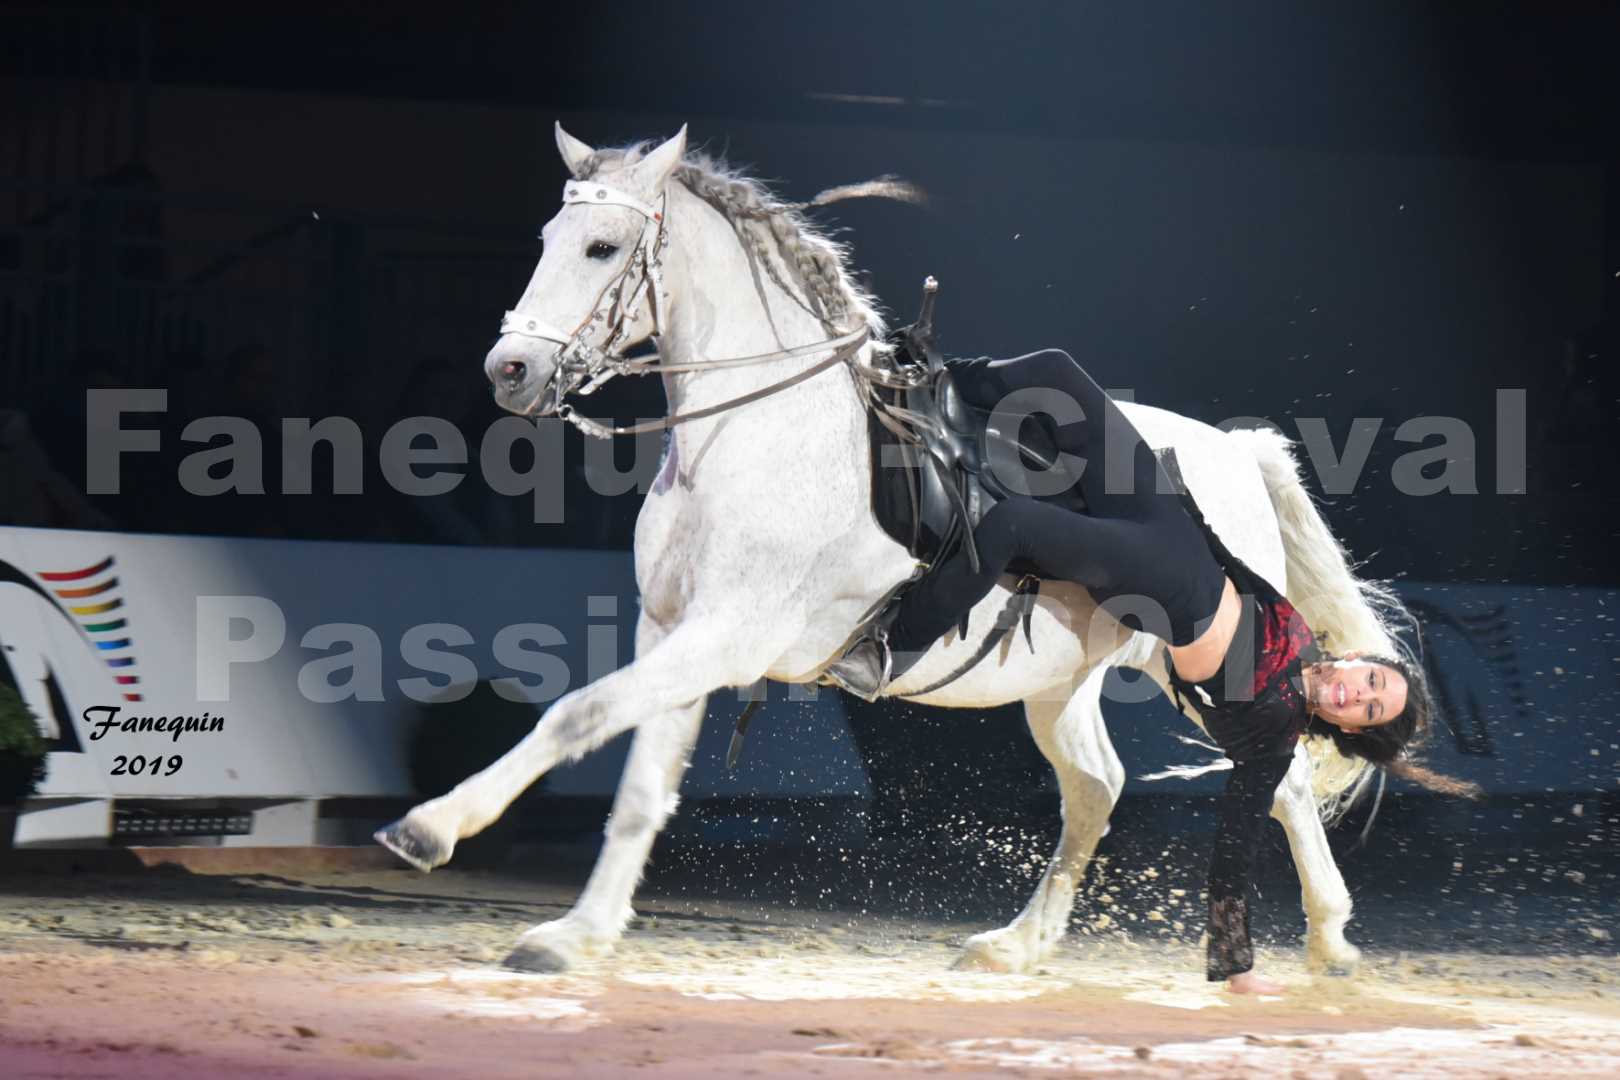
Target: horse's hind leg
{"x":1321,"y":886}
{"x":1074,"y":739}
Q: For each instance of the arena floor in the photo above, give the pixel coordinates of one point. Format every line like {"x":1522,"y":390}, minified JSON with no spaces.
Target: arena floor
{"x":395,"y":974}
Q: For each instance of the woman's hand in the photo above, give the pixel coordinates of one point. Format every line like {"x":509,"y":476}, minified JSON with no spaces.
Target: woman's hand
{"x":1250,"y":982}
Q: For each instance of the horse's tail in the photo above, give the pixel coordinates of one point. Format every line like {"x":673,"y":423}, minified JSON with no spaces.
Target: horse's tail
{"x":1349,"y":612}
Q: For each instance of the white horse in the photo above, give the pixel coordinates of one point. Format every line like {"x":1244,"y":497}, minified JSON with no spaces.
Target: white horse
{"x":757,"y":552}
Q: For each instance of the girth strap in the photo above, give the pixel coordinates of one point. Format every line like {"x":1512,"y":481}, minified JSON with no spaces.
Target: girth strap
{"x":734,"y":751}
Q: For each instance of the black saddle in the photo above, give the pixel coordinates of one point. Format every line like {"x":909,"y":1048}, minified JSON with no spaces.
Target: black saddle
{"x":940,"y":460}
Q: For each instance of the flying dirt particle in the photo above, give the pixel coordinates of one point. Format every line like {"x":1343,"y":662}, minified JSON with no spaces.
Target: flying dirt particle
{"x":1143,"y":1052}
{"x":1522,"y":1039}
{"x":818,"y":1033}
{"x":306,"y":1032}
{"x":339,"y":922}
{"x":1599,"y":933}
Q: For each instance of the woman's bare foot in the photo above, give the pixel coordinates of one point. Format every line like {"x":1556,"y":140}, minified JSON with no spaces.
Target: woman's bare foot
{"x":1248,"y":982}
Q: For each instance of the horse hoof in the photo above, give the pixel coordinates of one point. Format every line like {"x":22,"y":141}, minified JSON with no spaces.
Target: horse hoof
{"x":413,"y":844}
{"x":536,"y":959}
{"x":1345,"y":959}
{"x":986,"y":952}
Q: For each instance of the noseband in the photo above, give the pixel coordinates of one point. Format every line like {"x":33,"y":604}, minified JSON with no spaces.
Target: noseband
{"x":582,"y":366}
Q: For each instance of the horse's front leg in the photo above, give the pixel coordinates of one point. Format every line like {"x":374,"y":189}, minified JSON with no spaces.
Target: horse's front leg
{"x":647,"y":796}
{"x":1326,"y":900}
{"x":672,"y":677}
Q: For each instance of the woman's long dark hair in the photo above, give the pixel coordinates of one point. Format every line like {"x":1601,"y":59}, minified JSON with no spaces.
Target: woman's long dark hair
{"x":1391,"y":745}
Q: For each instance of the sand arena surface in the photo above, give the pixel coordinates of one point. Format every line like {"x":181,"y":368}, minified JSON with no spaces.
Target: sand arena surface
{"x":395,"y":974}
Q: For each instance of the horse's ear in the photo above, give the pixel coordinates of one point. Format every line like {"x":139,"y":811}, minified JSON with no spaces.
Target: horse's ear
{"x":652,"y":170}
{"x":574,"y":153}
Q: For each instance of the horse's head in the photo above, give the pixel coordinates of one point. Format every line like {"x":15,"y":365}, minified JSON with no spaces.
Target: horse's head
{"x":598,"y":288}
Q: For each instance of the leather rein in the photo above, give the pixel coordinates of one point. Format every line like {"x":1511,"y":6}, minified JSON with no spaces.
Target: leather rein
{"x":582,"y":366}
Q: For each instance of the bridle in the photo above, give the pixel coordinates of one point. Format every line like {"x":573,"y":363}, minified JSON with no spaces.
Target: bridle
{"x":582,"y":367}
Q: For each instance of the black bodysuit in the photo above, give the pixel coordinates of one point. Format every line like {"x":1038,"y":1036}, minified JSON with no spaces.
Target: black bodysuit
{"x":1140,"y":538}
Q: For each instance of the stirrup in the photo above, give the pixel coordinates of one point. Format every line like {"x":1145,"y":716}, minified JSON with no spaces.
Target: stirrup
{"x":867,"y":666}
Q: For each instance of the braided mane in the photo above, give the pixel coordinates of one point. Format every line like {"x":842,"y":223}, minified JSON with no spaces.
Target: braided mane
{"x":780,"y":240}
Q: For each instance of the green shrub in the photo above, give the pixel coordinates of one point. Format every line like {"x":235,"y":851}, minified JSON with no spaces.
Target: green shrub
{"x":22,"y":748}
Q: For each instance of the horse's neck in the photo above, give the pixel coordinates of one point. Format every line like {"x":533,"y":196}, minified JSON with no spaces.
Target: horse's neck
{"x":787,"y":474}
{"x":723,"y":315}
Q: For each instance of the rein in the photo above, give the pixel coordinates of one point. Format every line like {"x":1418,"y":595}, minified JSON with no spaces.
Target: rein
{"x":845,"y":348}
{"x":583,"y":367}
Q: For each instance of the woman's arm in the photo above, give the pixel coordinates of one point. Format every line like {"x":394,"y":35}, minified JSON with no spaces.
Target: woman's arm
{"x":1244,"y":809}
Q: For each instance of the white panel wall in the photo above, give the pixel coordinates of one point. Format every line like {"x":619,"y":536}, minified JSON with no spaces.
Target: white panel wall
{"x":276,"y":741}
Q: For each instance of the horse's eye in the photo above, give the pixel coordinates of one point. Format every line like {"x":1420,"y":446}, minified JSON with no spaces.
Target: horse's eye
{"x":601,"y":249}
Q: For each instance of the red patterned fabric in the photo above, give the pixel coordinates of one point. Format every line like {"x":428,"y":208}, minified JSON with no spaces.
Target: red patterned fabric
{"x":1284,"y":639}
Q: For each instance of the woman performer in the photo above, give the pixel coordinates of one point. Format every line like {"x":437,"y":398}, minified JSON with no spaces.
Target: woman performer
{"x":1239,"y":652}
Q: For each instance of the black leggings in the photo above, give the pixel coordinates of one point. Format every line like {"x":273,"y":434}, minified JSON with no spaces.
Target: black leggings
{"x":1136,"y":549}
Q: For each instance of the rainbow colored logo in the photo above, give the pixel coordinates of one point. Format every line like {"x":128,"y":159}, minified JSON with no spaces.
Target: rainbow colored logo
{"x":91,"y":596}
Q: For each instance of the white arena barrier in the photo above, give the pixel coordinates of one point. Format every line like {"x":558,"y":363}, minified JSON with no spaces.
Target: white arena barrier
{"x":299,"y":667}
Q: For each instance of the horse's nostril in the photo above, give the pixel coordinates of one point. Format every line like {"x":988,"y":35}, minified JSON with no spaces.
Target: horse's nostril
{"x":513,"y":371}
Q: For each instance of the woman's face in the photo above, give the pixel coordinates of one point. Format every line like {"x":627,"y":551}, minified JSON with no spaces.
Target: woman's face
{"x":1354,"y":693}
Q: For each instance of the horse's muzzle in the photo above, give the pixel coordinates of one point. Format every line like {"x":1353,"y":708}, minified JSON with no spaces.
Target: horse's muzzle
{"x":517,"y":376}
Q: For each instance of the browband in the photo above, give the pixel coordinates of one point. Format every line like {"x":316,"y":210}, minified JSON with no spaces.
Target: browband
{"x":583,"y":191}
